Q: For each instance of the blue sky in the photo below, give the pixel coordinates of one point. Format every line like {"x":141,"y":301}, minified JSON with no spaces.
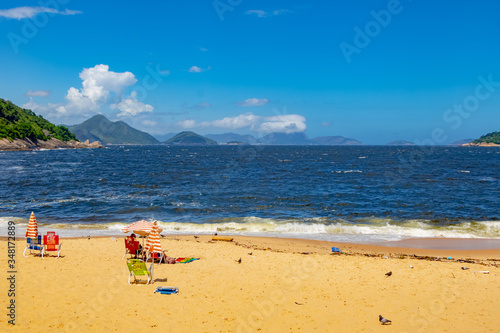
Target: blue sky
{"x":376,"y":71}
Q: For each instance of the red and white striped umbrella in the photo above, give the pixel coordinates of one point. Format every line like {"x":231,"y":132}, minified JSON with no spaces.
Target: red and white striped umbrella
{"x":141,"y":227}
{"x":153,"y":244}
{"x":32,"y":230}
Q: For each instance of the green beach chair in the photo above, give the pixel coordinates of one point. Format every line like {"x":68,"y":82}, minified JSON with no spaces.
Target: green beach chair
{"x":137,"y":267}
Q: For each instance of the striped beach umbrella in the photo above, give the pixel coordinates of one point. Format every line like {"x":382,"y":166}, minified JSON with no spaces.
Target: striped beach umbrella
{"x":153,"y":244}
{"x":32,"y":230}
{"x":141,"y":227}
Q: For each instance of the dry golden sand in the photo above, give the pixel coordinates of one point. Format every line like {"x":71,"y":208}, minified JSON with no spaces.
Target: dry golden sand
{"x":276,"y":288}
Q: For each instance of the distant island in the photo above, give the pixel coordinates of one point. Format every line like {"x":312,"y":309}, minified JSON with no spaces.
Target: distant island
{"x":400,"y":143}
{"x":99,"y":128}
{"x":22,"y":129}
{"x":190,"y":139}
{"x":488,"y":140}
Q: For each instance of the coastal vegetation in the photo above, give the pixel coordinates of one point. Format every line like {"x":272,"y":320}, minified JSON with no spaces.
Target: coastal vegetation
{"x":19,"y":123}
{"x":493,"y":137}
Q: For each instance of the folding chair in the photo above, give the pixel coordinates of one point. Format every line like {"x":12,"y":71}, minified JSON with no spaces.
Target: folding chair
{"x":137,"y":267}
{"x":51,"y":243}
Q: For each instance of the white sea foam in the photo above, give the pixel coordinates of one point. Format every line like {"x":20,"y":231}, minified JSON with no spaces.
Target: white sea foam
{"x":368,"y":230}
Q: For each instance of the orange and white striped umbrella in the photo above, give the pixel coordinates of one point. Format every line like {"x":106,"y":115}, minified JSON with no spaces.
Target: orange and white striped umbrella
{"x":32,"y":230}
{"x":153,"y":241}
{"x":141,"y":227}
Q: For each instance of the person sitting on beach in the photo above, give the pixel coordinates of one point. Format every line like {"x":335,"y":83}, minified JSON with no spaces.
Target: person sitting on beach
{"x":139,"y":250}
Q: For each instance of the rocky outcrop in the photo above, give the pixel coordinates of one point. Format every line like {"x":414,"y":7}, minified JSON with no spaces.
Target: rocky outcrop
{"x":27,"y":144}
{"x":481,"y":144}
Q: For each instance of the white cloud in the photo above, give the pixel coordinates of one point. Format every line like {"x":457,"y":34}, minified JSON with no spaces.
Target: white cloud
{"x":99,"y":87}
{"x":29,"y":12}
{"x":196,"y":69}
{"x":241,"y":121}
{"x":326,"y":123}
{"x":97,"y":83}
{"x":149,"y":123}
{"x":130,"y":106}
{"x":283,"y":123}
{"x":290,"y":123}
{"x":37,"y":93}
{"x":254,"y":102}
{"x":187,"y":124}
{"x":261,"y":13}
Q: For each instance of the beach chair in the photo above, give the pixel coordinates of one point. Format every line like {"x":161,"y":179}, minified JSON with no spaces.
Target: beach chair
{"x":34,"y":244}
{"x":137,"y":267}
{"x":51,"y":243}
{"x":132,"y":247}
{"x":155,"y":256}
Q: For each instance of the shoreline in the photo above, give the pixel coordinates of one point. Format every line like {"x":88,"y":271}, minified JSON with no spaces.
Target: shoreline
{"x":480,"y":249}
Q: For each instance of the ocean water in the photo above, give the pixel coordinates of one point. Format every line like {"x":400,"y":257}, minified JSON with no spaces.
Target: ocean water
{"x":356,"y":194}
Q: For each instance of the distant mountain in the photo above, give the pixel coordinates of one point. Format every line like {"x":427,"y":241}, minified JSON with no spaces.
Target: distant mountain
{"x":100,"y":128}
{"x":284,"y":139}
{"x":334,"y":141}
{"x":232,"y":137}
{"x":164,"y":137}
{"x":190,"y":139}
{"x":461,"y":142}
{"x":400,"y":143}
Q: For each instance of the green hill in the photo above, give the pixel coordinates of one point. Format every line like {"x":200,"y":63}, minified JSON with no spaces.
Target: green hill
{"x":190,"y":139}
{"x":18,"y":123}
{"x":99,"y":128}
{"x":493,"y":137}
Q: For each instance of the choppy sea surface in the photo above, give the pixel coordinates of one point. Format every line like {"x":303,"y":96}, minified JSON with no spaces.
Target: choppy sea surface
{"x":350,"y":194}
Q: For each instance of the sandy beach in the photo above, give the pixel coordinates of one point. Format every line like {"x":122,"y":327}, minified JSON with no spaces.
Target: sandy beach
{"x":281,"y":285}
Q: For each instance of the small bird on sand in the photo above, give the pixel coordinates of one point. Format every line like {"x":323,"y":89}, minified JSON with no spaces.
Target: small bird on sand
{"x":250,"y":253}
{"x":383,"y":320}
{"x":238,"y":261}
{"x":196,"y":237}
{"x":389,"y":273}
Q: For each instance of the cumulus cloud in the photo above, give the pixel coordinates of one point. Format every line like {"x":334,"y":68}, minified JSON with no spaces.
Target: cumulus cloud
{"x":290,"y":123}
{"x":97,"y":83}
{"x":130,"y":106}
{"x":254,"y":102}
{"x":100,"y":86}
{"x":282,"y":123}
{"x":37,"y":93}
{"x":261,"y":13}
{"x":196,"y":69}
{"x":243,"y":120}
{"x":29,"y":12}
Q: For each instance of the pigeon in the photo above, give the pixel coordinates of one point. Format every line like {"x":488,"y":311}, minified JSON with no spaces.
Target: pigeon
{"x":389,"y":273}
{"x":383,"y":320}
{"x":238,"y":261}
